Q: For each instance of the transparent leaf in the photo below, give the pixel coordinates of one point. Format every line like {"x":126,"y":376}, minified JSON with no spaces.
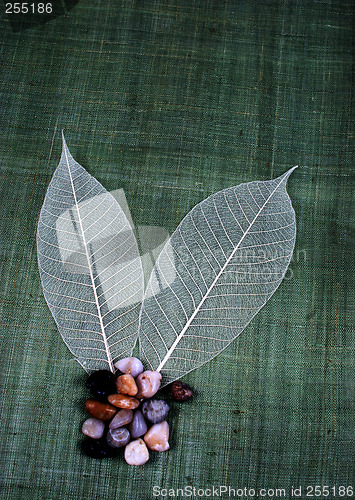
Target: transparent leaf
{"x":221,"y":265}
{"x":90,"y":267}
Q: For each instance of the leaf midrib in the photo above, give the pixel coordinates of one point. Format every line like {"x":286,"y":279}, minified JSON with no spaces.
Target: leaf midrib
{"x":107,"y":349}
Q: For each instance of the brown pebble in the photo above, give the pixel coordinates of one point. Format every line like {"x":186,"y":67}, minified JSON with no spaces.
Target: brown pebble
{"x":123,"y":401}
{"x":126,"y":385}
{"x":102,"y":411}
{"x":181,"y":392}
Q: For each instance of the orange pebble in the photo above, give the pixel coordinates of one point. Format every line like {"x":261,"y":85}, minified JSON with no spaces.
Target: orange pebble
{"x":123,"y":401}
{"x":126,"y":385}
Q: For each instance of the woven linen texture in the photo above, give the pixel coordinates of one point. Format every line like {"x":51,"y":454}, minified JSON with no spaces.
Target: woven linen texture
{"x":171,"y":102}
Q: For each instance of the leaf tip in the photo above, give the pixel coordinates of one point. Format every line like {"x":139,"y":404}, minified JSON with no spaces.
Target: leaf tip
{"x":63,"y":139}
{"x":284,"y":177}
{"x":66,"y":155}
{"x":289,"y":172}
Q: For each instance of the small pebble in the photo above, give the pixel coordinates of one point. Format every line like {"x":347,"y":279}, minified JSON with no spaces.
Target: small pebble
{"x":101,"y":384}
{"x":97,"y":448}
{"x":138,"y":426}
{"x":148,"y":384}
{"x":102,"y":411}
{"x":136,"y":452}
{"x":130,"y":365}
{"x":157,"y":437}
{"x":117,"y":438}
{"x":123,"y":417}
{"x":94,"y":428}
{"x":181,"y":392}
{"x":123,"y":401}
{"x":126,"y":385}
{"x":155,"y":410}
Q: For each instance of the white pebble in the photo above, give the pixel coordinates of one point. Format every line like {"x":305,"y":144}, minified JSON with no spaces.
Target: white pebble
{"x":158,"y":436}
{"x":136,"y":452}
{"x":148,"y":384}
{"x":130,"y":365}
{"x":94,"y":428}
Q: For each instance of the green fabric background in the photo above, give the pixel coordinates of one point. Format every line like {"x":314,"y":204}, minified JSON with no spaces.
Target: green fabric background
{"x":173,"y":101}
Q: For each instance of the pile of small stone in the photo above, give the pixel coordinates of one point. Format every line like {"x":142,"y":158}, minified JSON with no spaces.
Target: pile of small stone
{"x":123,"y":415}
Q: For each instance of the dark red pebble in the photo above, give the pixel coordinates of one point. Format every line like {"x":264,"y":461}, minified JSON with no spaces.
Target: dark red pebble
{"x":97,"y":448}
{"x":181,"y":392}
{"x":101,"y":384}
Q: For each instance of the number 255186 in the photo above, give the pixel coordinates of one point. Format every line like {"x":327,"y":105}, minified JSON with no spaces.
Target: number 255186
{"x":28,"y":8}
